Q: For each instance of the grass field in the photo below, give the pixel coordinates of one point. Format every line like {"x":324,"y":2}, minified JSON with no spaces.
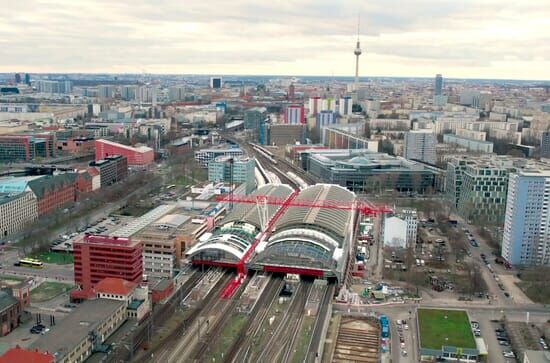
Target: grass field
{"x":445,"y":327}
{"x":48,"y":290}
{"x":59,"y":258}
{"x":226,"y":338}
{"x":534,"y":284}
{"x":11,"y":280}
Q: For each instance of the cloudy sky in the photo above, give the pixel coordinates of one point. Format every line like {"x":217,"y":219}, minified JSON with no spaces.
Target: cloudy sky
{"x":464,"y":38}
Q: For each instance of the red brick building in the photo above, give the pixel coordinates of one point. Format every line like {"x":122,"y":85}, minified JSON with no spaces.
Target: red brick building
{"x":76,"y":145}
{"x":83,"y":182}
{"x":136,"y":156}
{"x":10,"y":311}
{"x":98,"y":257}
{"x":53,"y":191}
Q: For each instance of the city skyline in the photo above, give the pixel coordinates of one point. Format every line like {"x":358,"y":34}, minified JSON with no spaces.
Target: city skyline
{"x":418,"y":39}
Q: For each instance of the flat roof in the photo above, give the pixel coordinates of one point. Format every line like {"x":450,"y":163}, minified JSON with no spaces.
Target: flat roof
{"x":73,"y":329}
{"x":439,"y":328}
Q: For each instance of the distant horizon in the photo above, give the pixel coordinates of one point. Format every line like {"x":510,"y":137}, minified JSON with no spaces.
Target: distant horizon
{"x":361,"y":78}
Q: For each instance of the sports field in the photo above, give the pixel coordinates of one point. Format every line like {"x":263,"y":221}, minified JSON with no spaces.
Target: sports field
{"x":445,"y":327}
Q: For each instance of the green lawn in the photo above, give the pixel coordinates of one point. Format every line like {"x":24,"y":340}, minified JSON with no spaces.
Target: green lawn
{"x":48,"y":290}
{"x":59,"y":258}
{"x":445,"y":327}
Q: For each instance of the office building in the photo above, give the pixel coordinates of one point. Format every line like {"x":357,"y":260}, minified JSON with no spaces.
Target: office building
{"x":204,"y":156}
{"x":216,"y":82}
{"x":479,"y":187}
{"x":526,"y":237}
{"x":17,"y":78}
{"x":83,"y":331}
{"x":240,"y":169}
{"x":545,"y":144}
{"x":325,"y":118}
{"x":438,"y":88}
{"x":420,"y":145}
{"x":16,"y":211}
{"x":254,"y":117}
{"x":136,"y":156}
{"x":294,"y":114}
{"x":98,"y":257}
{"x":53,"y":191}
{"x":111,"y":170}
{"x":26,"y":147}
{"x":345,"y":106}
{"x":362,"y":170}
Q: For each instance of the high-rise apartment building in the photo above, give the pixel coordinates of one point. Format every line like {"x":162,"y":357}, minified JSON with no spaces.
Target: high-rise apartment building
{"x":315,"y":105}
{"x":526,"y":238}
{"x":545,"y":144}
{"x":294,"y":114}
{"x":345,"y":106}
{"x":325,"y":118}
{"x":420,"y":145}
{"x":106,"y":91}
{"x":128,"y":93}
{"x":438,"y":85}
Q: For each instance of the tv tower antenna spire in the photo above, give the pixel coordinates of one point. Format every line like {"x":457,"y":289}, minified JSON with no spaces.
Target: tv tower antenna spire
{"x":357,"y":53}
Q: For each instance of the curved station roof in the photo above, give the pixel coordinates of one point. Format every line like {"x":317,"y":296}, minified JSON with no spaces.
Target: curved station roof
{"x":238,"y":229}
{"x":312,"y":237}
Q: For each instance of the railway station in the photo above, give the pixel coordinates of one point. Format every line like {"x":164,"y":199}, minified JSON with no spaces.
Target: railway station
{"x":236,"y":234}
{"x":310,"y":241}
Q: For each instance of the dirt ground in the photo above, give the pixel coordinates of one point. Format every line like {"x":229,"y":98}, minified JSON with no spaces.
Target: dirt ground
{"x":509,"y":282}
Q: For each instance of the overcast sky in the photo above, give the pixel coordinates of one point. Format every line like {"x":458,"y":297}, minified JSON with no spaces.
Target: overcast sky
{"x":464,"y":38}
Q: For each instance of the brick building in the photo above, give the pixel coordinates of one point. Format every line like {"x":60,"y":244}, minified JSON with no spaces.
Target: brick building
{"x":53,"y":191}
{"x":10,"y":311}
{"x":98,"y":257}
{"x":83,"y":182}
{"x":76,"y":145}
{"x":136,"y":156}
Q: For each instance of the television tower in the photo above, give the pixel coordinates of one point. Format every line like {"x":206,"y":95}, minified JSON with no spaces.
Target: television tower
{"x":357,"y":53}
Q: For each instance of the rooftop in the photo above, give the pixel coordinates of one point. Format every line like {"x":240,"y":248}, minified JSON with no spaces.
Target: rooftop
{"x":76,"y":327}
{"x":113,"y":285}
{"x":19,"y":355}
{"x":138,"y":149}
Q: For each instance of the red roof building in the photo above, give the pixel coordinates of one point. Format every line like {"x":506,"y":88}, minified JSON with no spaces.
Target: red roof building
{"x":115,"y":286}
{"x":20,"y":355}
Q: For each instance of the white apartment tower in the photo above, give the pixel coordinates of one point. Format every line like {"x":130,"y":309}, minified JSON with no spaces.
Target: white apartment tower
{"x":420,"y":145}
{"x":526,"y":238}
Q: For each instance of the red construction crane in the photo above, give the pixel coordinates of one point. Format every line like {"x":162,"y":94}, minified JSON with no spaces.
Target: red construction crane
{"x":363,"y":207}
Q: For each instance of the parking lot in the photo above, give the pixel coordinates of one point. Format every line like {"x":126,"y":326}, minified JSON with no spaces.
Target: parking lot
{"x":106,"y":225}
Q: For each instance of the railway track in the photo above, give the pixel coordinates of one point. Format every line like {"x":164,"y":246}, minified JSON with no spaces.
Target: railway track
{"x":223,"y":310}
{"x":251,"y":329}
{"x":279,"y":346}
{"x":161,"y":352}
{"x":318,"y":329}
